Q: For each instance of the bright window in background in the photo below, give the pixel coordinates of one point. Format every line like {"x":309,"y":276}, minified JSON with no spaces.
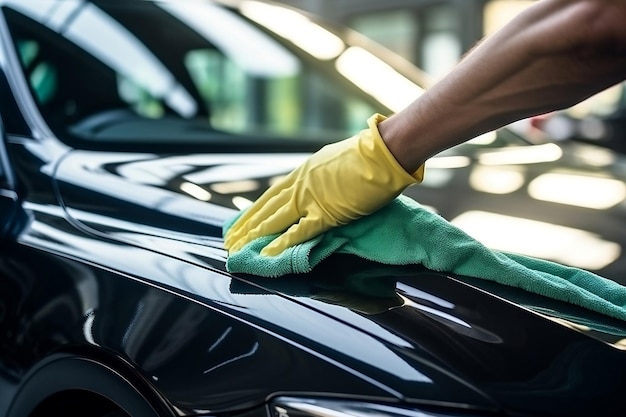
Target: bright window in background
{"x":497,"y":13}
{"x":397,"y":30}
{"x":396,"y":92}
{"x":441,"y":46}
{"x":305,"y":102}
{"x":427,"y":37}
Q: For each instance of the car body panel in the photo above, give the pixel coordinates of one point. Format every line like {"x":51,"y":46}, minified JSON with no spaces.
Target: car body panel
{"x":112,"y":256}
{"x":478,"y":347}
{"x":435,"y":308}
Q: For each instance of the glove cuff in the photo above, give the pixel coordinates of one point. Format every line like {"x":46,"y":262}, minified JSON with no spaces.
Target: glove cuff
{"x":417,"y":176}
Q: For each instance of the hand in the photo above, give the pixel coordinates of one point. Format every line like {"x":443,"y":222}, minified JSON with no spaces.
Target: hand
{"x":338,"y":184}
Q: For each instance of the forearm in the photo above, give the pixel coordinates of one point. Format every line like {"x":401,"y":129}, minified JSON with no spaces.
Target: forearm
{"x":537,"y":63}
{"x":554,"y":55}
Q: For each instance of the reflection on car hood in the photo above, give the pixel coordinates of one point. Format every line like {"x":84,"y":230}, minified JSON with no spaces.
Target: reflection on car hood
{"x":482,"y":340}
{"x":454,"y":325}
{"x":561,"y":203}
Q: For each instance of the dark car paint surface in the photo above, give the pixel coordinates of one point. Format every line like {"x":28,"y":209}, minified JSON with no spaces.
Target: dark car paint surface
{"x":420,"y":337}
{"x":113,"y":282}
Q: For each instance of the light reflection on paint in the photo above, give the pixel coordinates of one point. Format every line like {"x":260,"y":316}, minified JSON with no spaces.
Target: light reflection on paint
{"x":535,"y":154}
{"x":247,"y":46}
{"x":396,"y":92}
{"x":195,"y":191}
{"x":241,"y":203}
{"x":296,"y":28}
{"x":496,"y":180}
{"x":561,"y":244}
{"x":234,"y":187}
{"x":578,"y":190}
{"x":448,"y":162}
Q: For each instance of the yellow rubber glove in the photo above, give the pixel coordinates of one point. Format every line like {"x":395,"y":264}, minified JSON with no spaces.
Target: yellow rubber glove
{"x":339,"y":183}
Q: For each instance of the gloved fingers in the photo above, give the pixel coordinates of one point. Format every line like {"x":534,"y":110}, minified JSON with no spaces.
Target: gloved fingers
{"x":277,"y":222}
{"x":285,"y":183}
{"x":307,"y":228}
{"x":271,"y":201}
{"x":339,"y":183}
{"x":262,"y":206}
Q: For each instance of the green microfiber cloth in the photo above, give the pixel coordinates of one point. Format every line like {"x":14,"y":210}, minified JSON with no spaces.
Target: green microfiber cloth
{"x":404,"y":232}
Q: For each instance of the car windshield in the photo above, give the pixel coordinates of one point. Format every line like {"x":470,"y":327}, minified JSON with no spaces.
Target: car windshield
{"x":112,"y":71}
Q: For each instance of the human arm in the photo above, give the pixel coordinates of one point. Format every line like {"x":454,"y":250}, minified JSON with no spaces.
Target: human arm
{"x":552,"y":56}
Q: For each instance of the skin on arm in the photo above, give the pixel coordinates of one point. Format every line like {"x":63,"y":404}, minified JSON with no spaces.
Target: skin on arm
{"x":552,"y":56}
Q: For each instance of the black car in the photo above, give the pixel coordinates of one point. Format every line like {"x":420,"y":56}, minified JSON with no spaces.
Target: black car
{"x":132,"y":130}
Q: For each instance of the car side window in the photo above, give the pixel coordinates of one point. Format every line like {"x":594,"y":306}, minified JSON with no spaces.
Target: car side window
{"x":114,"y":71}
{"x":66,"y":83}
{"x":42,"y":75}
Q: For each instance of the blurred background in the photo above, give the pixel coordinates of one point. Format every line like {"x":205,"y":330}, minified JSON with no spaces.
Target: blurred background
{"x":434,"y":35}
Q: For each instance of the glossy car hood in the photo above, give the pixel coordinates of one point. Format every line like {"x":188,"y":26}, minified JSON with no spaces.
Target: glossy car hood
{"x":564,"y":203}
{"x":486,"y":344}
